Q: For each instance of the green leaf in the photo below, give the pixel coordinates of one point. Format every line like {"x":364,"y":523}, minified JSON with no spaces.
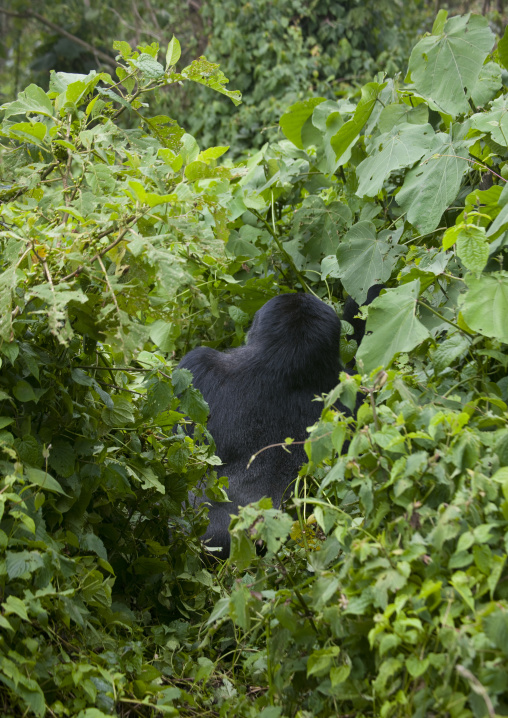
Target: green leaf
{"x":91,"y":542}
{"x":208,"y":73}
{"x":29,"y":450}
{"x":488,"y":84}
{"x":173,"y":52}
{"x":495,"y":121}
{"x":32,"y":100}
{"x":193,"y":404}
{"x":445,"y":67}
{"x":240,"y":606}
{"x":150,"y":480}
{"x":320,"y":661}
{"x":394,"y":326}
{"x":399,"y":148}
{"x":23,"y":391}
{"x":33,"y":131}
{"x":450,"y":350}
{"x":120,"y":415}
{"x":439,"y":22}
{"x":347,"y":135}
{"x":150,"y":68}
{"x":62,"y":458}
{"x":363,"y":261}
{"x":496,"y":628}
{"x":15,"y":605}
{"x":485,"y":305}
{"x":164,"y":334}
{"x":295,"y":117}
{"x":44,"y":480}
{"x":502,"y":49}
{"x":212,"y":153}
{"x":473,"y":248}
{"x":320,"y":227}
{"x":416,"y":666}
{"x":431,"y":187}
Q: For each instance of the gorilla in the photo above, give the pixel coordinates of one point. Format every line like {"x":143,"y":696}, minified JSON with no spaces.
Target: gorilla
{"x":261,"y":393}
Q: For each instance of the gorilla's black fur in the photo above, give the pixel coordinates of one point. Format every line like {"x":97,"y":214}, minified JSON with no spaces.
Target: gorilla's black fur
{"x":262,"y":393}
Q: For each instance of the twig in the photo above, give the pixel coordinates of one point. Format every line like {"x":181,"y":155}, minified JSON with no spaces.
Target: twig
{"x":99,"y":259}
{"x":49,"y":169}
{"x":101,"y":254}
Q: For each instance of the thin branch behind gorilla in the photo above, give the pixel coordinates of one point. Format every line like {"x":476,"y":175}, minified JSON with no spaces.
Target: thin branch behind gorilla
{"x":262,"y":393}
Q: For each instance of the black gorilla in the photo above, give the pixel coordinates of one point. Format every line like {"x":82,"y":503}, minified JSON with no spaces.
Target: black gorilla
{"x":262,"y":393}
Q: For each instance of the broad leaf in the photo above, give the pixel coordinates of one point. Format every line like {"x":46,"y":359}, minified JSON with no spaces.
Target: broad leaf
{"x":494,"y":121}
{"x":431,"y":187}
{"x":342,"y":141}
{"x":394,"y":326}
{"x":445,"y":68}
{"x":399,"y":148}
{"x":32,"y":101}
{"x":485,"y":305}
{"x":295,"y":117}
{"x":320,"y":226}
{"x":362,"y":260}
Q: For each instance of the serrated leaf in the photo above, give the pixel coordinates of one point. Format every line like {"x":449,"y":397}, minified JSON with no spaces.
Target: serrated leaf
{"x":473,"y":248}
{"x":15,"y":605}
{"x":394,"y":326}
{"x":120,"y":415}
{"x":150,"y":480}
{"x":445,"y":67}
{"x":485,"y":305}
{"x":150,"y":68}
{"x":319,"y":227}
{"x":91,"y":542}
{"x":450,"y":350}
{"x":193,"y":404}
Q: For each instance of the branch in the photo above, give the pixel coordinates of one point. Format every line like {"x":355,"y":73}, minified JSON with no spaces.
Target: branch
{"x":99,"y":255}
{"x":98,"y":53}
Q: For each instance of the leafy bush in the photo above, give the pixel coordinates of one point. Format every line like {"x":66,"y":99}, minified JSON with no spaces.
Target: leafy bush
{"x":384,"y":592}
{"x":98,"y":236}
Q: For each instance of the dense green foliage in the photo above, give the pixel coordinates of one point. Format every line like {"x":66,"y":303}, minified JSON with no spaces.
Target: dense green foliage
{"x":277,"y":52}
{"x":385,"y":592}
{"x":283,"y":51}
